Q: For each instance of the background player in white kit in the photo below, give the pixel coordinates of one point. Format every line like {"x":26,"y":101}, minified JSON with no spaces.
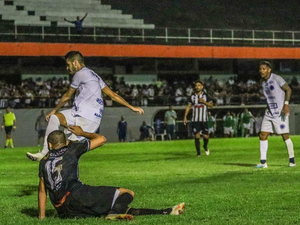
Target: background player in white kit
{"x":277,"y":93}
{"x":88,"y":104}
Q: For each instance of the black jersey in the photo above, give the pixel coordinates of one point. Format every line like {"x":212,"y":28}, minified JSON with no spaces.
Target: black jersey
{"x":60,"y":170}
{"x":199,"y":109}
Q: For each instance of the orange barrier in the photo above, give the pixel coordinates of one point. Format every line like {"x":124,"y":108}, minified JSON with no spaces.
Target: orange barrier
{"x":156,"y":51}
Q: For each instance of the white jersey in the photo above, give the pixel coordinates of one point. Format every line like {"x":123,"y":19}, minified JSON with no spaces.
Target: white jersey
{"x":274,"y":95}
{"x":88,"y":101}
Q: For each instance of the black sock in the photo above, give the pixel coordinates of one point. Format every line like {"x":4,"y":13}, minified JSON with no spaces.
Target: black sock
{"x":137,"y":212}
{"x":197,"y":145}
{"x":292,"y":160}
{"x":205,"y":144}
{"x":263,"y":161}
{"x":121,"y":204}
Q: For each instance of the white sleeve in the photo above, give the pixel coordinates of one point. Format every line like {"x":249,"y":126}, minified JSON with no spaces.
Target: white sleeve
{"x":77,"y":79}
{"x":279,"y":80}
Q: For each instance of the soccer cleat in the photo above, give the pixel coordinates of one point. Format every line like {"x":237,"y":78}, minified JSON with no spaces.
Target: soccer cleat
{"x":119,"y":217}
{"x":207,"y":152}
{"x":178,"y":209}
{"x":262,"y":165}
{"x":292,"y":165}
{"x":35,"y":157}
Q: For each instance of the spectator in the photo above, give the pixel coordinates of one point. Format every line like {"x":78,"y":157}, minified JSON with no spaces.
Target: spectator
{"x":170,"y":121}
{"x":145,"y":132}
{"x":41,"y":126}
{"x":189,"y":91}
{"x":78,"y":23}
{"x":122,"y":129}
{"x":44,"y":94}
{"x":151,"y":94}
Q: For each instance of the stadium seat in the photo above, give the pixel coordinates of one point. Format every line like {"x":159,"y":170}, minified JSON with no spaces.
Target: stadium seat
{"x":43,"y":12}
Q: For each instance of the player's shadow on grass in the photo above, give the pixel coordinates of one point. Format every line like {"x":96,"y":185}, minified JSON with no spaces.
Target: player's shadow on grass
{"x":27,"y":190}
{"x":34,"y":212}
{"x":239,"y":164}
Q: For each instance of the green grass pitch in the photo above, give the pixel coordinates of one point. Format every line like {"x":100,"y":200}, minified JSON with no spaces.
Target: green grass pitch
{"x":222,"y":188}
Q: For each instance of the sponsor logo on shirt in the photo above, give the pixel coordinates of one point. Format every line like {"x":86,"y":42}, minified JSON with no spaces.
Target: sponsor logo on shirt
{"x":100,"y":101}
{"x":271,"y":82}
{"x":273,"y":106}
{"x":99,"y":115}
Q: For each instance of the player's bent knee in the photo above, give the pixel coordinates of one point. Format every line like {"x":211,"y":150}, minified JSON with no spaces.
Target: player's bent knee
{"x":124,"y":190}
{"x":263,"y":136}
{"x":61,"y":118}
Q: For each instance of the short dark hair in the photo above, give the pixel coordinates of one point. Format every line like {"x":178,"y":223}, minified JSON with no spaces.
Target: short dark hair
{"x":56,"y":137}
{"x":198,"y":81}
{"x":266,"y":63}
{"x":74,"y":55}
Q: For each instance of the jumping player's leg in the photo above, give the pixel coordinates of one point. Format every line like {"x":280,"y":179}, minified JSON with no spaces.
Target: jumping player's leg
{"x":54,"y":123}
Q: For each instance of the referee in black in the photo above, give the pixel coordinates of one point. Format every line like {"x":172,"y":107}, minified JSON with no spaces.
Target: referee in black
{"x":58,"y":172}
{"x":200,"y":101}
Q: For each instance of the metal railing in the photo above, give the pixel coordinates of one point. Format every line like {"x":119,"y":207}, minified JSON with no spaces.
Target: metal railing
{"x":180,"y":36}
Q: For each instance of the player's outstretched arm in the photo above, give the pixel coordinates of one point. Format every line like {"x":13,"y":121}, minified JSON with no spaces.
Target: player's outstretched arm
{"x":69,"y":21}
{"x":117,"y":98}
{"x":96,"y":140}
{"x":42,"y":199}
{"x":67,"y":96}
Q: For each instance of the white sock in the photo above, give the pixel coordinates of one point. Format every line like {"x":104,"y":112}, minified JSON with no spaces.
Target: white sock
{"x":290,"y":147}
{"x":263,"y":149}
{"x":53,"y":125}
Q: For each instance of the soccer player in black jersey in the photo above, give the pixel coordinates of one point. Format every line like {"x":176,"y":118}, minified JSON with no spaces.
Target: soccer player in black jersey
{"x":199,"y":102}
{"x":58,"y":172}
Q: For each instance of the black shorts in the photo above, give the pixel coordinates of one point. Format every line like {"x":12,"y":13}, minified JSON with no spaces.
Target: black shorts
{"x":41,"y":133}
{"x":87,"y":201}
{"x":201,"y":127}
{"x":8,"y":129}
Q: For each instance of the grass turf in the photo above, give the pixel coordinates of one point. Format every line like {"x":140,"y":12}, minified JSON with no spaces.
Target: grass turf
{"x":222,"y":188}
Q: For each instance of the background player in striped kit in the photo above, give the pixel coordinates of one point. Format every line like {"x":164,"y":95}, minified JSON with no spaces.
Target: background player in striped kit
{"x":199,"y":102}
{"x":277,"y":93}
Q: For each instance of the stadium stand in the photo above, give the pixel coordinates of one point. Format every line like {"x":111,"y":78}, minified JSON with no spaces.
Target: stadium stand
{"x":45,"y":13}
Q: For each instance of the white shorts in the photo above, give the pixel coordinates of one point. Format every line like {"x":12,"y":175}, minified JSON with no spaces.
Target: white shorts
{"x":211,"y":130}
{"x":85,"y":124}
{"x":246,"y":126}
{"x":278,"y":125}
{"x":228,"y":130}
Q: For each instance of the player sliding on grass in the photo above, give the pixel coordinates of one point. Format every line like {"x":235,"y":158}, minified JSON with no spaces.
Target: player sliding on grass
{"x":88,"y":104}
{"x":199,"y":103}
{"x":58,"y":173}
{"x":277,"y":93}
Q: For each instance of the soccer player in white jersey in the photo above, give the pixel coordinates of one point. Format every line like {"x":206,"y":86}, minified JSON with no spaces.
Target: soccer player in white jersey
{"x":88,"y":105}
{"x":277,"y":93}
{"x":199,"y":103}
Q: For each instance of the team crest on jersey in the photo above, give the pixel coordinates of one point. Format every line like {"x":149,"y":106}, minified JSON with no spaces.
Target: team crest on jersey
{"x":272,"y":88}
{"x":282,"y":126}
